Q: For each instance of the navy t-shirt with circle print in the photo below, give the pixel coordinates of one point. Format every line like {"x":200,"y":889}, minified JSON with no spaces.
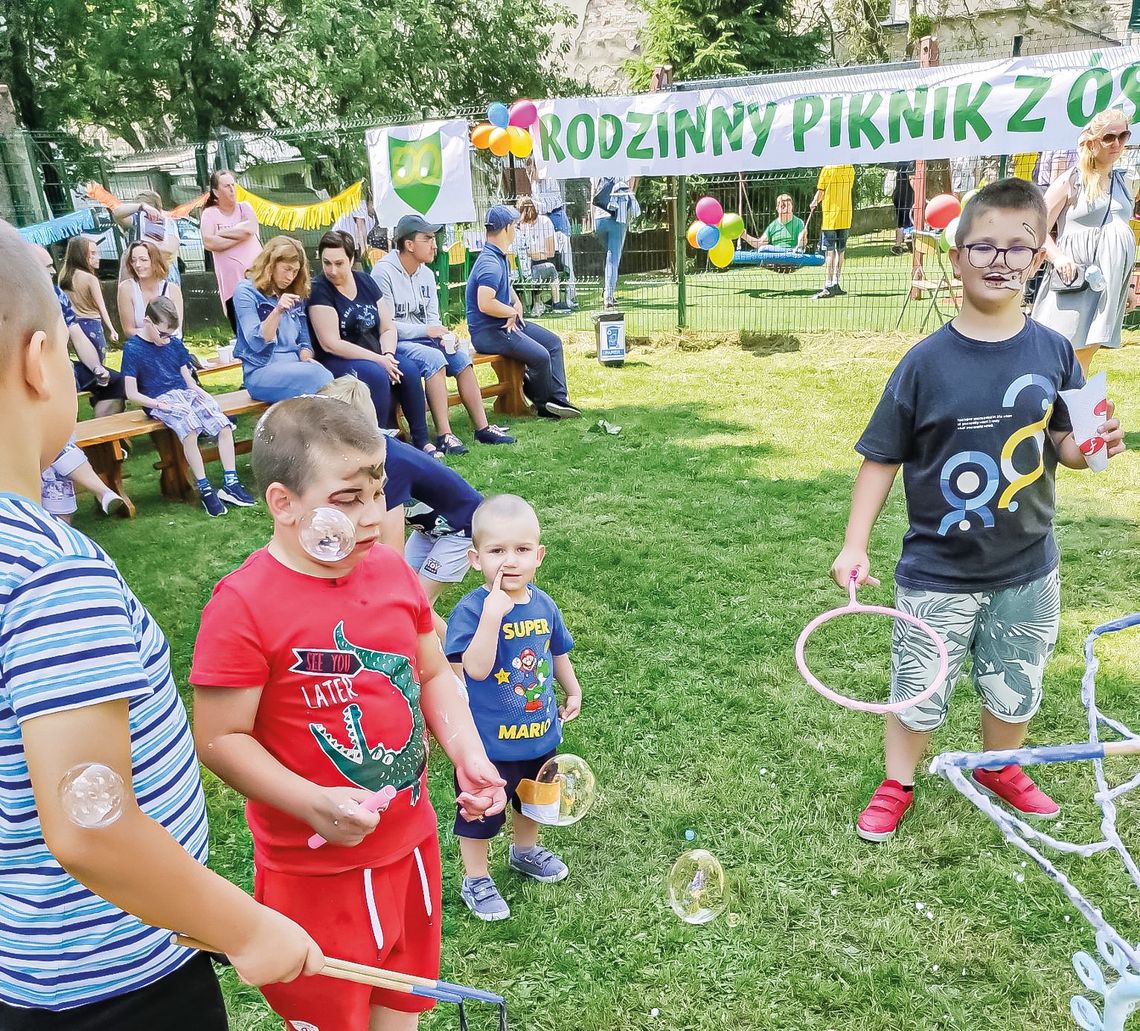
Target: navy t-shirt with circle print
{"x":969,"y":421}
{"x":358,"y":318}
{"x":515,"y":709}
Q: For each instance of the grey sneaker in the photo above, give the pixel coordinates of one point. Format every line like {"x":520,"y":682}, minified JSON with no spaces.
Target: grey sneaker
{"x":539,"y":864}
{"x":483,"y":899}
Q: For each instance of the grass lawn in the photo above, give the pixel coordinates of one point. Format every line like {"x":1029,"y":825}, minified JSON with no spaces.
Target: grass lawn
{"x":687,"y":553}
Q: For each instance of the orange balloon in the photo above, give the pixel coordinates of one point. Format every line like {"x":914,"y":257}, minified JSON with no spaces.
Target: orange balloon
{"x":691,"y":235}
{"x":499,"y":142}
{"x":481,"y":135}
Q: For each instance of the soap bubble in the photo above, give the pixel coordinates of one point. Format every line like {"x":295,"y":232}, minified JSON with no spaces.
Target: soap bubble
{"x":696,"y":887}
{"x":91,"y":795}
{"x":327,"y":534}
{"x":690,"y":835}
{"x":564,"y":793}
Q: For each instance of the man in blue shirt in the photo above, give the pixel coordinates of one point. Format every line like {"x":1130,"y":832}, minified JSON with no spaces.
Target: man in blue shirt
{"x":495,"y":319}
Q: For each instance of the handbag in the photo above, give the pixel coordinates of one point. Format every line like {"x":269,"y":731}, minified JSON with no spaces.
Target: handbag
{"x":604,"y":197}
{"x":1080,"y":281}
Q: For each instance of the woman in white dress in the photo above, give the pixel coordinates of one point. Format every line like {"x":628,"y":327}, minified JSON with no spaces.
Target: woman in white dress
{"x":1092,"y":203}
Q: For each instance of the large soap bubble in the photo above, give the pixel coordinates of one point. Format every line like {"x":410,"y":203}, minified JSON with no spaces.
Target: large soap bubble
{"x":327,"y":534}
{"x":562,"y":792}
{"x":696,"y":887}
{"x":91,"y":795}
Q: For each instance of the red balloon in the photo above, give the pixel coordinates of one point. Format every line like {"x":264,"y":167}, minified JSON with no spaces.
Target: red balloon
{"x":942,"y":210}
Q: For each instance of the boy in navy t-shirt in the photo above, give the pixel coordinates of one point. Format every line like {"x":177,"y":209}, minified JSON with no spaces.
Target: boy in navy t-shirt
{"x":971,"y":415}
{"x":513,"y":646}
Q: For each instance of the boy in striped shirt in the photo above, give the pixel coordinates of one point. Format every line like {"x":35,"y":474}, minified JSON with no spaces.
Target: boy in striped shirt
{"x":85,"y":679}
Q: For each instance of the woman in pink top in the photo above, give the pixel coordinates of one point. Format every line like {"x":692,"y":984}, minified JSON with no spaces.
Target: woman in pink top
{"x":229,"y":232}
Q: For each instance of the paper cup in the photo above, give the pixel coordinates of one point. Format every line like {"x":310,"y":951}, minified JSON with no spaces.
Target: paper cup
{"x":225,"y":354}
{"x":449,"y":342}
{"x":1088,"y":410}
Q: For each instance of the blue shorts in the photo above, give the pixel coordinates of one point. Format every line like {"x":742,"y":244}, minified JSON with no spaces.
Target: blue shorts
{"x":834,"y":239}
{"x":430,"y":357}
{"x":512,"y":771}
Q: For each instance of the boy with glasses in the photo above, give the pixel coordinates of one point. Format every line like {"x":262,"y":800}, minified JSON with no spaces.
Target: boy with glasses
{"x":971,"y":414}
{"x":159,"y":376}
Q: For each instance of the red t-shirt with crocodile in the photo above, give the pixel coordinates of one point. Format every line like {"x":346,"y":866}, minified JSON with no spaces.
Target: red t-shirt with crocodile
{"x":340,"y":697}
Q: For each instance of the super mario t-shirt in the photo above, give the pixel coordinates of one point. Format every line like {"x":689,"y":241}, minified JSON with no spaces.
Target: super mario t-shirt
{"x":969,"y":421}
{"x":515,"y":708}
{"x":340,"y":698}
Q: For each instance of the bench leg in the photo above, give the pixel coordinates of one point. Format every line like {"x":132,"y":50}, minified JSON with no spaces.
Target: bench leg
{"x":107,"y":461}
{"x":511,"y":401}
{"x":174,"y":478}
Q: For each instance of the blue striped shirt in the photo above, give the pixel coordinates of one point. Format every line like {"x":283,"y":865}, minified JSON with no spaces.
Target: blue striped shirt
{"x":72,"y":634}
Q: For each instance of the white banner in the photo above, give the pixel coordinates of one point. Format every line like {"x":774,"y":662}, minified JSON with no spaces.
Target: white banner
{"x":993,"y":107}
{"x":421,"y":170}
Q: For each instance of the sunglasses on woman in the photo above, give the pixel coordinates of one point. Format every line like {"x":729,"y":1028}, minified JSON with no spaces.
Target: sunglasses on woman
{"x":1109,"y":138}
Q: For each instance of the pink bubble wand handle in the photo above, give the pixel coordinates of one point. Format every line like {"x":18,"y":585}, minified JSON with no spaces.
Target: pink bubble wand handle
{"x":856,"y":608}
{"x":376,"y":803}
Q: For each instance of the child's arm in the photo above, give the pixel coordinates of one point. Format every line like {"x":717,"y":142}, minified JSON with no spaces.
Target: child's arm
{"x":131,"y":386}
{"x":191,"y":383}
{"x":568,"y":679}
{"x":1069,"y":454}
{"x":448,"y":717}
{"x":223,"y":736}
{"x":479,"y":657}
{"x":101,"y":306}
{"x":872,"y":487}
{"x":136,"y":865}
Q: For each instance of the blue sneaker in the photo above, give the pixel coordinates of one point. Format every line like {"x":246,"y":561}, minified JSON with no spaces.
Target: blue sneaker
{"x":236,"y":495}
{"x":539,"y":864}
{"x":483,"y":898}
{"x":211,"y":502}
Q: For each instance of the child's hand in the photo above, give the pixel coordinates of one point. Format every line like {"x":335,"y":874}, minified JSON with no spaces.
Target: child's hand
{"x":337,"y":817}
{"x":848,"y":561}
{"x":162,"y":406}
{"x":498,"y":602}
{"x":1112,"y":432}
{"x":279,"y":950}
{"x":573,"y":706}
{"x":481,"y":789}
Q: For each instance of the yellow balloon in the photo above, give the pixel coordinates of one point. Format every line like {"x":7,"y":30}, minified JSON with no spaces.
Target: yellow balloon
{"x":691,"y":235}
{"x":721,"y":255}
{"x":499,"y":142}
{"x":520,"y":141}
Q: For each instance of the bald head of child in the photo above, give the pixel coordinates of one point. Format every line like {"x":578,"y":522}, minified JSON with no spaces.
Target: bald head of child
{"x":37,"y":385}
{"x":315,"y":452}
{"x":506,"y":541}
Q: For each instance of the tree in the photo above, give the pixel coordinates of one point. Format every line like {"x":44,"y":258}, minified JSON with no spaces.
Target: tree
{"x":704,"y":39}
{"x":156,"y":73}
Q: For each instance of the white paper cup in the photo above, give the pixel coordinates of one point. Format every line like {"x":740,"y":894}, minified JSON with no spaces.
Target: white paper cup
{"x":1087,"y":410}
{"x":450,"y":343}
{"x":225,"y":354}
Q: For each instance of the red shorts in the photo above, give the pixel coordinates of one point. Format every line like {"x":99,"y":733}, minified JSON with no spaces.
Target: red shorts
{"x":387,"y":916}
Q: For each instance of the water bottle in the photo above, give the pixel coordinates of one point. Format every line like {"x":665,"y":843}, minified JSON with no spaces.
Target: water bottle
{"x":1095,"y":278}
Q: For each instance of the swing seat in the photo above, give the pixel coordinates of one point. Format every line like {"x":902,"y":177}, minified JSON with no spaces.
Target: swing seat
{"x":777,"y":259}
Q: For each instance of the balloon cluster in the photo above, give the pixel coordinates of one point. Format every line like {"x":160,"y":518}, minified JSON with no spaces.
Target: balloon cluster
{"x":506,"y":129}
{"x":715,"y":231}
{"x":943,"y":212}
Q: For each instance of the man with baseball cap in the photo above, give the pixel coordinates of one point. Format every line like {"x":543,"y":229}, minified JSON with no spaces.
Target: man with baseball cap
{"x":406,"y":280}
{"x":495,"y":318}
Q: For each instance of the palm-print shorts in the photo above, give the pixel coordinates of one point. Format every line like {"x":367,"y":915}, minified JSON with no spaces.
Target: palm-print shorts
{"x":1009,"y":635}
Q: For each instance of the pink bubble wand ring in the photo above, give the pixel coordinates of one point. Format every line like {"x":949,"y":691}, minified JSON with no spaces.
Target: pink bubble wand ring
{"x":856,"y":608}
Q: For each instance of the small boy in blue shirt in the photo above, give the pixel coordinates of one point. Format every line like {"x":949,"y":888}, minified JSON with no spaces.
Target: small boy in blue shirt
{"x":159,"y":375}
{"x":513,"y":645}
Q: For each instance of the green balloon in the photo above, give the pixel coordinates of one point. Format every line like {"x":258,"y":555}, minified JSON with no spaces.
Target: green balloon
{"x":732,"y":225}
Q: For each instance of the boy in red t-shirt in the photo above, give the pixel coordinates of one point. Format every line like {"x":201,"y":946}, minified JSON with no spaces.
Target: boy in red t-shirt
{"x":313,"y":683}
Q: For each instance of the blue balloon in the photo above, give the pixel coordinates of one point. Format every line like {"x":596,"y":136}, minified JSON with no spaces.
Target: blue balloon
{"x":708,"y":237}
{"x":498,"y":114}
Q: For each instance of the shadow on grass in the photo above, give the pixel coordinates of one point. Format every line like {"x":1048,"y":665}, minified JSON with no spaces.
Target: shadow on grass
{"x":762,"y":345}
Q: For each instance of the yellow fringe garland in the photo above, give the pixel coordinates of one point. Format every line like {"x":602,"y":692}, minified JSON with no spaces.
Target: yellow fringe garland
{"x":305,"y":216}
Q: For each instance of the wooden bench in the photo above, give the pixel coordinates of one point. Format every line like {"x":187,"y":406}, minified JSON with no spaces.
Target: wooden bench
{"x":101,"y":439}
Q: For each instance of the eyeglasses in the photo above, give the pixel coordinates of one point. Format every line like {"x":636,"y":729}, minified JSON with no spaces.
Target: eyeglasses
{"x":163,"y":334}
{"x":1109,"y":138}
{"x":1017,"y":259}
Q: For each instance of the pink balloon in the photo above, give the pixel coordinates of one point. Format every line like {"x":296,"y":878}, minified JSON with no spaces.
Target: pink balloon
{"x":709,"y":211}
{"x":523,"y":114}
{"x":942,"y":210}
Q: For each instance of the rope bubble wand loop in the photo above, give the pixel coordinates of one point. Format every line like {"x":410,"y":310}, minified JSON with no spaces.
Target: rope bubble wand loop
{"x":856,"y":608}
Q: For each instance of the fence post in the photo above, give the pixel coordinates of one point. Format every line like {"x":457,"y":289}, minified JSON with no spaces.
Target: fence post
{"x":680,"y":217}
{"x":927,"y":58}
{"x":443,"y":280}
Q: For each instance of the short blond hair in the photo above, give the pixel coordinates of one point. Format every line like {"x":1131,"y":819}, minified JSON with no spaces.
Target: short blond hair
{"x":353,"y":392}
{"x":499,"y":508}
{"x":275,"y":251}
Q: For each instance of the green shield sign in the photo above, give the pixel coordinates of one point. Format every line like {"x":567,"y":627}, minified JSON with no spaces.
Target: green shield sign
{"x":417,"y":170}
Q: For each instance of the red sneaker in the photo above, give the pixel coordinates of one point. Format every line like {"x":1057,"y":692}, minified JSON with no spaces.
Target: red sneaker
{"x":884,"y":812}
{"x":1012,"y":785}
